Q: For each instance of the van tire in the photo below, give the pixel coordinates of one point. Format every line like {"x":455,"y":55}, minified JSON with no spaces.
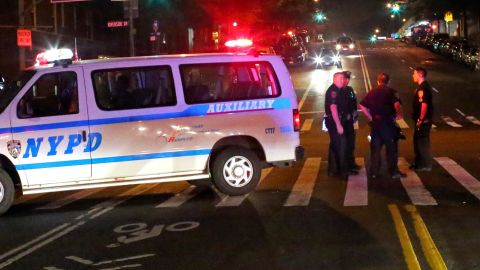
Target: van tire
{"x":236,"y":171}
{"x":7,"y":191}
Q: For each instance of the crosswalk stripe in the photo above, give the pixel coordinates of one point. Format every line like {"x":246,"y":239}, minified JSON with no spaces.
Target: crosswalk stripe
{"x":178,"y":199}
{"x":461,"y":175}
{"x":449,"y":121}
{"x":414,"y":187}
{"x":69,"y":199}
{"x":307,"y":125}
{"x":231,"y":201}
{"x":303,"y":188}
{"x":357,"y":187}
{"x":402,"y":124}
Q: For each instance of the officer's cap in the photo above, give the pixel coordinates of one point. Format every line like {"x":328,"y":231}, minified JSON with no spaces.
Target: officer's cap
{"x":347,"y":74}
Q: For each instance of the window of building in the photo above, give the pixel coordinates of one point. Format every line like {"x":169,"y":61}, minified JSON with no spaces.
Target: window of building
{"x":134,"y":88}
{"x":52,"y":94}
{"x":220,"y":82}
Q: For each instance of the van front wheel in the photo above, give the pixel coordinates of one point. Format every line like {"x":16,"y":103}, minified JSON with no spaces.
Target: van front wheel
{"x":236,"y":171}
{"x":7,"y":191}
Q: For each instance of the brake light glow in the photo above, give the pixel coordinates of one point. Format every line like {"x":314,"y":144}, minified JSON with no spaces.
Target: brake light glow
{"x":242,"y":42}
{"x":296,"y":120}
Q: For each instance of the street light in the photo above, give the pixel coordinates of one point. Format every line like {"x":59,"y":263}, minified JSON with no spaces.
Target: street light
{"x":377,"y":30}
{"x":389,"y":5}
{"x":392,"y":16}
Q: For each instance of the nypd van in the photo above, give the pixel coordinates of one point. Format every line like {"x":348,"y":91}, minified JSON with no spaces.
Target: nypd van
{"x":111,"y":122}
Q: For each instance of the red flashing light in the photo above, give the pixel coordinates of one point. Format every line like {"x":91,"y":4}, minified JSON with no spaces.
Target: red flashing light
{"x":41,"y":60}
{"x":296,"y":120}
{"x":235,"y":24}
{"x":434,"y":26}
{"x":242,"y":42}
{"x":290,"y":33}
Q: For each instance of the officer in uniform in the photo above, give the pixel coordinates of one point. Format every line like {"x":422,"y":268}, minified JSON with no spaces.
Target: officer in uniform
{"x":335,"y":108}
{"x":422,"y":116}
{"x":382,"y":106}
{"x":348,"y":121}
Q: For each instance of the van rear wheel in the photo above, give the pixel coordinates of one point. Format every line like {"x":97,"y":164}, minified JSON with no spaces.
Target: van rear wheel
{"x":7,"y":191}
{"x":236,"y":171}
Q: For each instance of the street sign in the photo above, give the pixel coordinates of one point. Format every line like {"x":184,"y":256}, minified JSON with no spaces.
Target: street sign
{"x":114,"y":24}
{"x":24,"y":38}
{"x":448,"y":16}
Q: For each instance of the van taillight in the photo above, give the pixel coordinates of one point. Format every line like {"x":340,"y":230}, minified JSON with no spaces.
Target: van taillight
{"x":296,"y":120}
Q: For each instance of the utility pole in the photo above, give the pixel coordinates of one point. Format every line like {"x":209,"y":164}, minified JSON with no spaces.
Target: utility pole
{"x":21,"y":23}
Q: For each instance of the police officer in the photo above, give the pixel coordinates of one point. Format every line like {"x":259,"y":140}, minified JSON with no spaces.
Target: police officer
{"x":335,"y":108}
{"x":422,"y":116}
{"x":382,"y":106}
{"x":348,"y":121}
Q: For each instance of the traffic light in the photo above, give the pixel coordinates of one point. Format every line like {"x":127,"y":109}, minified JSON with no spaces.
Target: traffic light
{"x":320,"y":17}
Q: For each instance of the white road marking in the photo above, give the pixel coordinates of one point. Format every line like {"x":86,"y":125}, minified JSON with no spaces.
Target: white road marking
{"x":449,"y":121}
{"x":414,"y":187}
{"x":179,"y":198}
{"x":232,"y":201}
{"x":461,"y":175}
{"x":473,"y":119}
{"x":69,"y":199}
{"x":357,"y":187}
{"x":125,"y":259}
{"x":303,"y":188}
{"x":302,"y":101}
{"x":460,"y":112}
{"x":307,"y":125}
{"x":411,"y":68}
{"x":402,"y":124}
{"x":402,"y":60}
{"x":435,"y":89}
{"x":434,"y":126}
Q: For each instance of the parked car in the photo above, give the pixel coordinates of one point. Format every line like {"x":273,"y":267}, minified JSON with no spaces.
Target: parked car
{"x":432,"y":39}
{"x":290,"y":50}
{"x":470,"y":57}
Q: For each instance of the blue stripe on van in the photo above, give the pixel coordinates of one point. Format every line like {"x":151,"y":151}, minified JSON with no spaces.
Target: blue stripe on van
{"x":195,"y":110}
{"x":55,"y":164}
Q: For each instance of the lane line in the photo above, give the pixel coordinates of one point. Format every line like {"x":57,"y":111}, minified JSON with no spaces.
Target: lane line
{"x":449,"y":121}
{"x":69,"y":199}
{"x":233,"y":201}
{"x":357,"y":187}
{"x":473,"y":119}
{"x":363,"y":71}
{"x":435,"y":89}
{"x":414,"y":187}
{"x":434,"y":258}
{"x":460,"y":174}
{"x":303,"y":188}
{"x":179,"y":198}
{"x":402,"y":124}
{"x":405,"y":242}
{"x":302,"y":101}
{"x":460,"y":112}
{"x":307,"y":125}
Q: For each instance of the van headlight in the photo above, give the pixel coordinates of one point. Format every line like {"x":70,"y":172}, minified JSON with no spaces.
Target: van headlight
{"x":336,"y":58}
{"x":338,"y":47}
{"x":351,"y":46}
{"x":318,"y":59}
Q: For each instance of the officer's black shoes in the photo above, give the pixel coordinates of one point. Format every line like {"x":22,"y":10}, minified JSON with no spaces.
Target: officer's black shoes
{"x":398,"y":175}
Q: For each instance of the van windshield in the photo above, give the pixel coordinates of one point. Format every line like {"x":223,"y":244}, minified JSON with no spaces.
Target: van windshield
{"x":12,"y":87}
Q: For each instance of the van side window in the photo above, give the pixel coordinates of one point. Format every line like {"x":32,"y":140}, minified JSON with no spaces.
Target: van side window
{"x":204,"y":83}
{"x":134,"y":88}
{"x":52,"y":94}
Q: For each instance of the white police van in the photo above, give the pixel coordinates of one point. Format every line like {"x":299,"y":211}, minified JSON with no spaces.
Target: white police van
{"x":138,"y":120}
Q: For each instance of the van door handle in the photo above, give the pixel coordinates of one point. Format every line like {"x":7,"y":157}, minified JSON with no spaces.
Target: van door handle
{"x":84,"y":136}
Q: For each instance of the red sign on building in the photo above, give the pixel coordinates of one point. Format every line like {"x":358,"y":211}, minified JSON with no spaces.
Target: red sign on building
{"x":24,"y":38}
{"x":112,"y":24}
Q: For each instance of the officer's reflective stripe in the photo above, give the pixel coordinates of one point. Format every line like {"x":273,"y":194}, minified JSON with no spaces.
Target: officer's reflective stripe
{"x":69,"y":199}
{"x":449,"y":121}
{"x":231,"y":201}
{"x":402,"y":124}
{"x":357,"y":187}
{"x":414,"y":187}
{"x":112,"y":159}
{"x":179,"y":198}
{"x":307,"y":125}
{"x":303,"y":188}
{"x":461,"y":175}
{"x":195,"y":110}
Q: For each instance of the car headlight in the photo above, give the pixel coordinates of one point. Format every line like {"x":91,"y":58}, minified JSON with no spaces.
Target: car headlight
{"x":338,"y":47}
{"x":336,"y":58}
{"x":318,"y":60}
{"x":351,"y":46}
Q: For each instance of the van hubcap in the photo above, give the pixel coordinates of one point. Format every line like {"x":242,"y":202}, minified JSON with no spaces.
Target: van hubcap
{"x":2,"y":192}
{"x":238,"y":171}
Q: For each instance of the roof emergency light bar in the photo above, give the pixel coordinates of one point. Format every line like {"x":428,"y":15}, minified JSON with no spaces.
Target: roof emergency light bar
{"x":56,"y":56}
{"x":237,"y":43}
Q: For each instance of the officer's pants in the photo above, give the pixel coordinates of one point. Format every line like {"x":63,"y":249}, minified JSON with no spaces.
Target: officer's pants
{"x":421,"y":146}
{"x":349,"y":130}
{"x":336,"y":151}
{"x":384,"y":133}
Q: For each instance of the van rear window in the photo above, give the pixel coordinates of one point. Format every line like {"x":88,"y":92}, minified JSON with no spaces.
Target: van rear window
{"x":134,"y":88}
{"x":203,"y":83}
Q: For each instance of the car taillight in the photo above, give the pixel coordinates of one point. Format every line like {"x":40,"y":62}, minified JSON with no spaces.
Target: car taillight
{"x":296,"y":120}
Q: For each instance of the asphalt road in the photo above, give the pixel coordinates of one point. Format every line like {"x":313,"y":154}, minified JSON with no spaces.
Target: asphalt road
{"x":297,"y":218}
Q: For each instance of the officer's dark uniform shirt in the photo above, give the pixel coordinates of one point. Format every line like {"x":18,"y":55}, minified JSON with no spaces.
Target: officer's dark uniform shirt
{"x":380,"y":101}
{"x":423,"y":94}
{"x":351,"y":101}
{"x":335,"y":96}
